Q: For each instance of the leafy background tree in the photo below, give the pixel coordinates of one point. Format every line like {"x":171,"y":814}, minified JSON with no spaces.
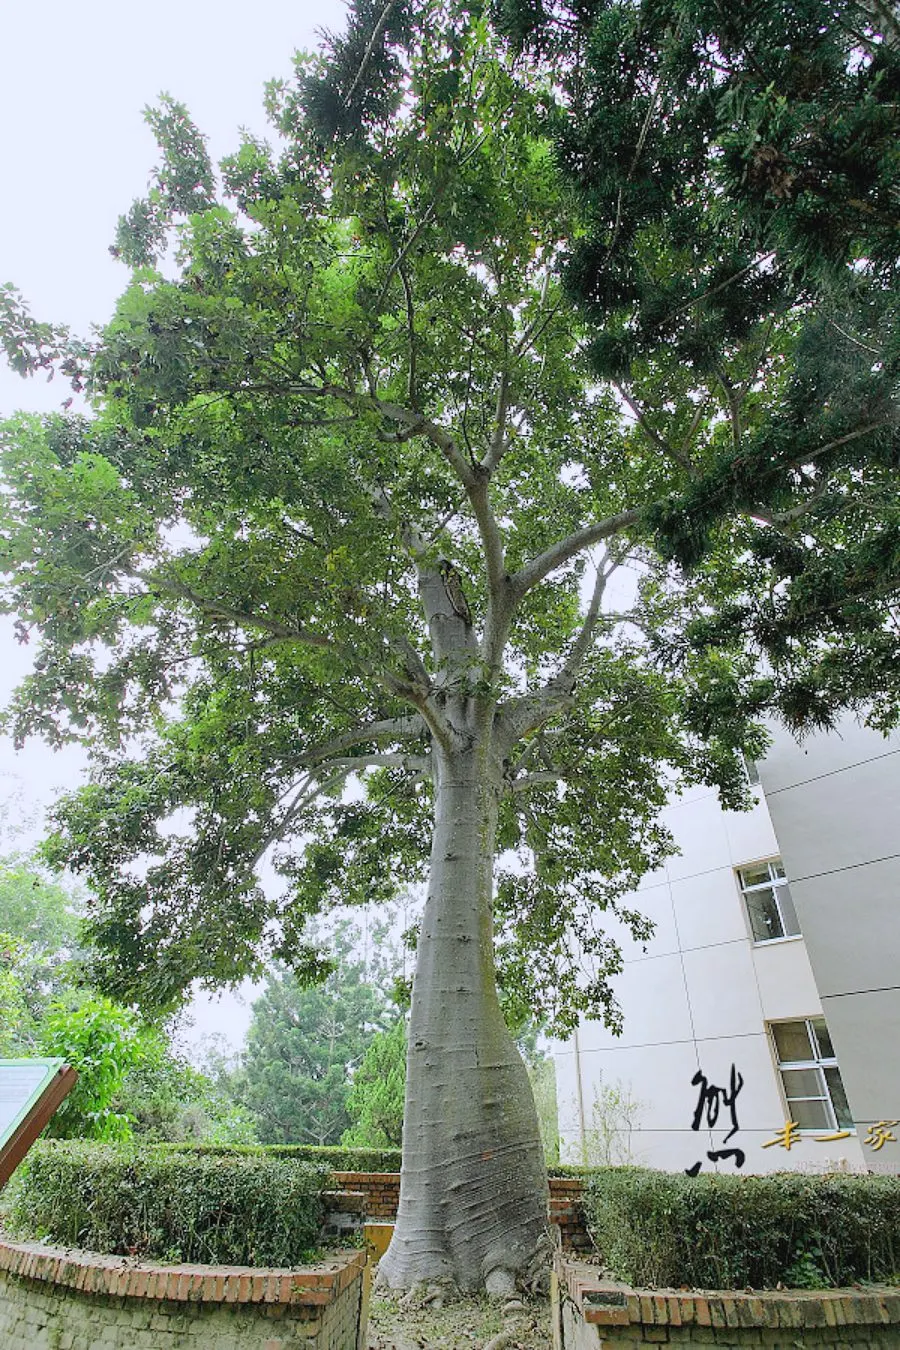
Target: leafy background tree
{"x":307,"y":1043}
{"x":16,"y":1021}
{"x":131,"y":1079}
{"x":175,"y":1095}
{"x":102,"y":1041}
{"x":40,"y":920}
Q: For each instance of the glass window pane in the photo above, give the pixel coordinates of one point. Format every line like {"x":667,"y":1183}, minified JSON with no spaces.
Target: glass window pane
{"x":765,"y":920}
{"x":811,"y":1115}
{"x":777,"y":867}
{"x":803,"y":1083}
{"x":792,"y":1041}
{"x":826,"y":1049}
{"x":788,"y":913}
{"x":838,"y":1098}
{"x":755,"y":876}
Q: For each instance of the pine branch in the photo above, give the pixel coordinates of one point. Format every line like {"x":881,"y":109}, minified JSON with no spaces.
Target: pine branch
{"x":650,"y":432}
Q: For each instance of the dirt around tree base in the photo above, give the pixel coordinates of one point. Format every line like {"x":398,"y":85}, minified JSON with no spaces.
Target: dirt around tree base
{"x":458,"y":1323}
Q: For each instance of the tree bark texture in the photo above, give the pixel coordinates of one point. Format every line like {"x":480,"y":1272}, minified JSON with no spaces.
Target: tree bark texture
{"x":473,"y":1191}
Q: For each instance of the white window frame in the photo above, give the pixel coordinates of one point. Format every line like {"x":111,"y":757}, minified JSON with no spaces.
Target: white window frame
{"x":774,"y":882}
{"x":818,"y":1064}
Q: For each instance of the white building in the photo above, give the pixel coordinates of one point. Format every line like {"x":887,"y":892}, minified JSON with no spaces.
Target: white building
{"x":770,"y":992}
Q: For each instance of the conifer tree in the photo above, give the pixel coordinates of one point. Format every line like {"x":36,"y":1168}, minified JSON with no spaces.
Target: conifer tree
{"x":739,"y":184}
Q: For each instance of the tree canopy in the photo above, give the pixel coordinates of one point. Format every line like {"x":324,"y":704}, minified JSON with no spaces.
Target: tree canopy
{"x":357,"y":380}
{"x":375,"y":1099}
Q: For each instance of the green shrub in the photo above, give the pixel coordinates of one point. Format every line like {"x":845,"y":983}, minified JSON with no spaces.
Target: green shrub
{"x":102,"y":1040}
{"x":171,"y":1204}
{"x":721,"y":1232}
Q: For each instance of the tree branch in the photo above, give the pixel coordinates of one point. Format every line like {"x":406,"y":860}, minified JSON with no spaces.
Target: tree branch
{"x":534,"y":572}
{"x":367,"y":54}
{"x":530,"y":711}
{"x":565,"y":679}
{"x":218,"y":609}
{"x":404,"y":252}
{"x":810,"y":456}
{"x":310,"y":788}
{"x":386,"y":728}
{"x":414,"y":689}
{"x":530,"y":780}
{"x":497,"y":448}
{"x":777,"y":518}
{"x":539,"y":322}
{"x":421,"y":764}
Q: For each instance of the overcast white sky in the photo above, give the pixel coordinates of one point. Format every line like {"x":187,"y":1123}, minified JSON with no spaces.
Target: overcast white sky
{"x":74,"y":153}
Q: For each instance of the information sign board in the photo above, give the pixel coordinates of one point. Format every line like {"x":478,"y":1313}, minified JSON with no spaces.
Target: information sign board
{"x":31,"y":1090}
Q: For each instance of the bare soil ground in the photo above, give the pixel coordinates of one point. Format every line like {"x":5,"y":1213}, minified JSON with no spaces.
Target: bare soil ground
{"x":408,"y":1323}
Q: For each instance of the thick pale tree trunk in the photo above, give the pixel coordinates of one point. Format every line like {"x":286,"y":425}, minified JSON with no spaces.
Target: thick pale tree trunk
{"x":473,"y":1192}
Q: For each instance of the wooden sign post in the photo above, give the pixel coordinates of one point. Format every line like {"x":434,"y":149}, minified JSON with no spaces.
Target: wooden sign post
{"x":31,"y":1091}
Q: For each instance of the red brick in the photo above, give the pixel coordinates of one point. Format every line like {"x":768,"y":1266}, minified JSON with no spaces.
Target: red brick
{"x":119,"y":1281}
{"x":730,"y":1312}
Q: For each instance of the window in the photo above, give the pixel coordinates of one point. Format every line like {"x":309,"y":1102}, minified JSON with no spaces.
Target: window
{"x":751,"y":769}
{"x":768,"y":900}
{"x":810,"y":1076}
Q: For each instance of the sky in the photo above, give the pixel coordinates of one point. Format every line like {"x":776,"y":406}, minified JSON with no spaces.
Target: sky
{"x":74,"y":153}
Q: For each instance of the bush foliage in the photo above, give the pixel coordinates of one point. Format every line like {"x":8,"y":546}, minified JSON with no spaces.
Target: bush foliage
{"x":720,"y":1232}
{"x":222,"y":1207}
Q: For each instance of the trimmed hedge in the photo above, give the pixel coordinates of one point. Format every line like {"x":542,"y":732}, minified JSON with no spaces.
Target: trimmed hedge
{"x":338,"y":1158}
{"x":243,"y":1211}
{"x":723,"y":1232}
{"x":334,"y":1157}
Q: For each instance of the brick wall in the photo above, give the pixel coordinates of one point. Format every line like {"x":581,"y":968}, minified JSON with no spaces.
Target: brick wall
{"x":381,"y":1189}
{"x":382,"y":1193}
{"x":596,"y":1314}
{"x":52,"y":1299}
{"x":567,"y":1211}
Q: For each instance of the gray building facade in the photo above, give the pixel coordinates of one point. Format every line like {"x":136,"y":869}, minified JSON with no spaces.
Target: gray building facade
{"x":762,"y":1020}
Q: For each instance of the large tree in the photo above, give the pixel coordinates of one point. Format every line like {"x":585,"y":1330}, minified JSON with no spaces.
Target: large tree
{"x":348,"y":510}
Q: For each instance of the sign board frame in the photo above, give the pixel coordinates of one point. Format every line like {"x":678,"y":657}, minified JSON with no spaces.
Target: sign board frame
{"x":34,"y":1111}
